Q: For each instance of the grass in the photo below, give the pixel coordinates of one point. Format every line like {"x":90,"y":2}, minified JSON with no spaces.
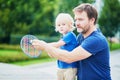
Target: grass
{"x":12,"y":54}
{"x":17,"y":57}
{"x":8,"y":52}
{"x":114,"y":46}
{"x":34,"y":61}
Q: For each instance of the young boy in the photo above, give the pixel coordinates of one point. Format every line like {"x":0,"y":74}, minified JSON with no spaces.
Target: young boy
{"x":64,"y":24}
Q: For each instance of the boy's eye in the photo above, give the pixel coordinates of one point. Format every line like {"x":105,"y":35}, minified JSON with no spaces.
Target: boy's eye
{"x":63,"y":24}
{"x":58,"y":25}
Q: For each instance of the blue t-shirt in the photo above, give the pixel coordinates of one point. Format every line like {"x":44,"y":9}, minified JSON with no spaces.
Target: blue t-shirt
{"x":97,"y":66}
{"x":70,"y":43}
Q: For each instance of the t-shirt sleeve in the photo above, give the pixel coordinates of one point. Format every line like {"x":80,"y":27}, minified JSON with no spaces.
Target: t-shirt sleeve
{"x":67,"y":38}
{"x":93,"y":45}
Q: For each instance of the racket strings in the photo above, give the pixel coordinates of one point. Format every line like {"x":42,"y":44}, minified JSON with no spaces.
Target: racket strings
{"x":28,"y":48}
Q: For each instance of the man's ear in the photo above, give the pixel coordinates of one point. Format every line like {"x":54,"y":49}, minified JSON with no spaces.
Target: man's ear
{"x":92,"y":20}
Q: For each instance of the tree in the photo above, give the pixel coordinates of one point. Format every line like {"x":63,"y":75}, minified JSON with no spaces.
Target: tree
{"x":25,"y":16}
{"x":6,"y":13}
{"x":32,"y":16}
{"x":109,"y":20}
{"x":68,"y":5}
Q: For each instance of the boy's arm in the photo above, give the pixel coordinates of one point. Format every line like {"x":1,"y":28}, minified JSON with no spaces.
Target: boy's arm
{"x":57,"y":44}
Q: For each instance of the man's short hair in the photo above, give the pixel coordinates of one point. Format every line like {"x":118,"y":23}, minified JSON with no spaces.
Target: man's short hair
{"x":89,"y":9}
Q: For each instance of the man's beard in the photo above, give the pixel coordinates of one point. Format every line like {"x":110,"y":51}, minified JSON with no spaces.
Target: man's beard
{"x":85,"y":29}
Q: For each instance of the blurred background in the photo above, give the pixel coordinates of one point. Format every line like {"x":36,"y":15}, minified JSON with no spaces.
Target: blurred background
{"x":37,"y":17}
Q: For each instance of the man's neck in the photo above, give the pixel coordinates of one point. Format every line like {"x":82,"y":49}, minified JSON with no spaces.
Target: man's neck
{"x":92,"y":29}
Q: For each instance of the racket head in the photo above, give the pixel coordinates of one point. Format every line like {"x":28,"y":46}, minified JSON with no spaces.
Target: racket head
{"x":28,"y":48}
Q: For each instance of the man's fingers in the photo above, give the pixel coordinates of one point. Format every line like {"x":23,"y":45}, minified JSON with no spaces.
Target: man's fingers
{"x":35,"y":42}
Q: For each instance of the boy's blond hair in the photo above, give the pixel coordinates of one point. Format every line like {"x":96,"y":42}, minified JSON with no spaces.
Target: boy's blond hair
{"x":65,"y":17}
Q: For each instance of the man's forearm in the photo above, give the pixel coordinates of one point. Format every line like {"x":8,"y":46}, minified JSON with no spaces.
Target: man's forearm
{"x":59,"y":54}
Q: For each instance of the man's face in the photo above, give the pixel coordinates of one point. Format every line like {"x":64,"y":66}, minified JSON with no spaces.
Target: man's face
{"x":82,"y":22}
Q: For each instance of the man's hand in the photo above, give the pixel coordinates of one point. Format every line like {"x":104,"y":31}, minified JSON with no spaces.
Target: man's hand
{"x":39,"y":44}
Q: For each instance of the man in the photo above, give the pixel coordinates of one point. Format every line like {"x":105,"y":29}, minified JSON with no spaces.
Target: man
{"x":92,"y":52}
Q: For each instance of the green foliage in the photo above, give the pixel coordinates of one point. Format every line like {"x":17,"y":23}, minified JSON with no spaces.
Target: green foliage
{"x":15,"y":39}
{"x":109,"y":19}
{"x":33,"y":61}
{"x":87,"y":1}
{"x":68,"y":6}
{"x":23,"y":17}
{"x":13,"y":53}
{"x":32,"y":16}
{"x":65,"y":5}
{"x":11,"y":56}
{"x":114,"y":46}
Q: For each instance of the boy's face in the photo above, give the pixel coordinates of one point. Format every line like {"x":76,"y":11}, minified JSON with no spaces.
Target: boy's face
{"x":63,"y":27}
{"x":82,"y":22}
